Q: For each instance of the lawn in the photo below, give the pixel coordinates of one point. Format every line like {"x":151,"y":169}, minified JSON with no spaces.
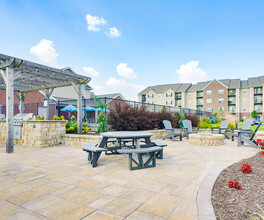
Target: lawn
{"x":240,"y":125}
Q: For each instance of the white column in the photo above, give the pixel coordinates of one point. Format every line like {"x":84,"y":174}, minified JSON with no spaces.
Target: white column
{"x":79,"y":107}
{"x":10,"y":109}
{"x":183,"y":100}
{"x":251,"y":99}
{"x":46,"y":104}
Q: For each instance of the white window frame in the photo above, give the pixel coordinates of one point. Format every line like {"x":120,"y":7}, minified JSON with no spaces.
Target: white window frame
{"x":209,"y":101}
{"x":221,"y":100}
{"x":222,"y":91}
{"x":209,"y":109}
{"x":209,"y":92}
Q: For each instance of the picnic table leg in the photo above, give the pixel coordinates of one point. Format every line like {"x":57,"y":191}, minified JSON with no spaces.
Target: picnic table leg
{"x":239,"y":140}
{"x":103,"y":142}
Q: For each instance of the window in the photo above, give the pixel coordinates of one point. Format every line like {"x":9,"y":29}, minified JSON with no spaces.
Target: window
{"x":189,"y":102}
{"x":208,"y":100}
{"x":221,"y":109}
{"x":159,"y":95}
{"x":151,"y":96}
{"x":199,"y":94}
{"x":244,"y":109}
{"x":209,"y":109}
{"x":178,"y":95}
{"x":221,"y":100}
{"x":244,"y":91}
{"x":220,"y":91}
{"x":200,"y":102}
{"x":143,"y":97}
{"x":231,"y":100}
{"x":168,"y":102}
{"x":151,"y":103}
{"x":257,"y":108}
{"x":231,"y":109}
{"x":209,"y":92}
{"x":168,"y":94}
{"x":200,"y":109}
{"x":257,"y":90}
{"x":257,"y":99}
{"x":244,"y":100}
{"x":189,"y":94}
{"x":159,"y":103}
{"x":178,"y":103}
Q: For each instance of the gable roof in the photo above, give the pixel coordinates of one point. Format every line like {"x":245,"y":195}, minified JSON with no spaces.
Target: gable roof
{"x":177,"y":87}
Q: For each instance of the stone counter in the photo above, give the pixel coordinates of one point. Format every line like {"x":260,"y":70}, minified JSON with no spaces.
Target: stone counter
{"x":38,"y":133}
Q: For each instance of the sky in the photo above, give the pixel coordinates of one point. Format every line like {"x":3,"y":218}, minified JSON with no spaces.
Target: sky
{"x":125,"y":46}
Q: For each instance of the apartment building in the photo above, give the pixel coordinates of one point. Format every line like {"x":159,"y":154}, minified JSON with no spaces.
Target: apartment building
{"x":234,"y":96}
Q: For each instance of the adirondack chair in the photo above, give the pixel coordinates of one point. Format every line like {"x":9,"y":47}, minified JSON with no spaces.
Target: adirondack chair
{"x":243,"y":137}
{"x":171,"y":131}
{"x":222,"y":128}
{"x":246,"y":127}
{"x":189,"y":129}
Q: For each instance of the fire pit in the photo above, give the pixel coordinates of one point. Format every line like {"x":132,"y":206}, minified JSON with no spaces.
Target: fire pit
{"x":207,"y":139}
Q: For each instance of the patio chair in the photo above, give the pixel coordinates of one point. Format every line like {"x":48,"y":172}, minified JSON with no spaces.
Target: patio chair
{"x":171,"y":131}
{"x":243,"y":136}
{"x":246,"y":127}
{"x":189,"y":129}
{"x":222,"y":129}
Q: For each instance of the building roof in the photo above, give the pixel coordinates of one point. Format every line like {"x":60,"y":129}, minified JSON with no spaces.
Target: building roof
{"x":111,"y":96}
{"x":229,"y":83}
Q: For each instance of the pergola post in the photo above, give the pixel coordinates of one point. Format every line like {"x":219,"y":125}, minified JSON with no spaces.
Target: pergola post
{"x":21,"y":102}
{"x":10,"y":109}
{"x":46,"y":104}
{"x":79,"y":107}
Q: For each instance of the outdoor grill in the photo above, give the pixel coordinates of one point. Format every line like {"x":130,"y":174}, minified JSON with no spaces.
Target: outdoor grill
{"x":18,"y":120}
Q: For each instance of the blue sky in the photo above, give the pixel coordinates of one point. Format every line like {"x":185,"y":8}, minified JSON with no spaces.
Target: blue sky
{"x":152,"y":42}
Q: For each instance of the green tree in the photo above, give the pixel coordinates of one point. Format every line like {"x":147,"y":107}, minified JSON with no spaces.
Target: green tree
{"x":254,"y":114}
{"x":183,"y":117}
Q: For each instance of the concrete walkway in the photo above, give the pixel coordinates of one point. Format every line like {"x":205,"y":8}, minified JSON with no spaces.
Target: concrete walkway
{"x":58,"y":183}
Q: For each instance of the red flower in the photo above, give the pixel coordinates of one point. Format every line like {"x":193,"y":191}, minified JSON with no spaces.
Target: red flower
{"x":234,"y":184}
{"x":246,"y":168}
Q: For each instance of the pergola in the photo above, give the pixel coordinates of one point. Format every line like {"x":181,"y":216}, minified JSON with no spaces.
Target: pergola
{"x":17,"y":75}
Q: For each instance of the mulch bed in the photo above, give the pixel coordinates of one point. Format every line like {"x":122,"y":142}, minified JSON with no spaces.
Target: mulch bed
{"x":230,"y":203}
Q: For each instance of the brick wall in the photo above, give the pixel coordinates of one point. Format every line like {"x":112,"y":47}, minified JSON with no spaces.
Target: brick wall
{"x":214,"y":87}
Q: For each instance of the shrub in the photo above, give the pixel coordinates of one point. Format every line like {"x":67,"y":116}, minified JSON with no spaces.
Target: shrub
{"x":126,"y":118}
{"x":246,"y":168}
{"x":39,"y":118}
{"x":55,"y":117}
{"x":205,"y":122}
{"x":231,"y":121}
{"x":165,"y":115}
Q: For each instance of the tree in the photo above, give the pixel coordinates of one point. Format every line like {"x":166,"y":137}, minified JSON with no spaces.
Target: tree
{"x":254,"y":114}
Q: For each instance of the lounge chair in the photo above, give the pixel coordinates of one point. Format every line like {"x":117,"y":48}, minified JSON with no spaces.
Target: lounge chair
{"x":243,"y":136}
{"x":171,"y":131}
{"x":189,"y":129}
{"x":246,"y":127}
{"x":222,"y":128}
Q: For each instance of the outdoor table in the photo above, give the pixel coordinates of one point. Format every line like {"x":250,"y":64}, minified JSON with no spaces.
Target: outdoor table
{"x":119,"y":135}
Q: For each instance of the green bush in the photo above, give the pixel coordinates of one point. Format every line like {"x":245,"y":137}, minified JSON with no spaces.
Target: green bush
{"x":204,"y":125}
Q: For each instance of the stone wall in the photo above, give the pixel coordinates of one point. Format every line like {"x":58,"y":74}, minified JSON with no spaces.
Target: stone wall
{"x":38,"y":133}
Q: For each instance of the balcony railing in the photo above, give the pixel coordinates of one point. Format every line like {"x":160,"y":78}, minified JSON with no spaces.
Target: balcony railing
{"x":199,"y":94}
{"x":231,"y":102}
{"x":257,"y":101}
{"x":199,"y":103}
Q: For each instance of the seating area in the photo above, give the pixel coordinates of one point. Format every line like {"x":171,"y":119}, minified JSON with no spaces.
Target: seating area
{"x":57,"y":182}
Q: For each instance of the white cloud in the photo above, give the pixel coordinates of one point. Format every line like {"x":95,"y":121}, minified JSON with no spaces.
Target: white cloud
{"x":96,"y":88}
{"x":91,"y":71}
{"x":123,"y":70}
{"x":115,"y":82}
{"x":137,"y":87}
{"x":113,"y":32}
{"x":93,"y":22}
{"x":191,"y":73}
{"x":46,"y":52}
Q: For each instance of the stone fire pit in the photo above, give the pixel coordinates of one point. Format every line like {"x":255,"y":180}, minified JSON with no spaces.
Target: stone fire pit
{"x":207,"y":139}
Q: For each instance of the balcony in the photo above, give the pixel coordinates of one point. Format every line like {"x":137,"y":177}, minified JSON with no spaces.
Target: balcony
{"x":199,"y":94}
{"x":199,"y":103}
{"x":143,"y":98}
{"x":231,"y":92}
{"x":257,"y":91}
{"x":231,"y":102}
{"x":178,"y":96}
{"x":257,"y":101}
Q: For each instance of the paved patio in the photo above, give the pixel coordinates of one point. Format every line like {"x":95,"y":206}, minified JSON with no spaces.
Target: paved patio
{"x":58,"y":183}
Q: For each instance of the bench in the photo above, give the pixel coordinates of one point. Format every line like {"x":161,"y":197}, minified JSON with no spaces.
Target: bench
{"x":149,"y":152}
{"x":93,"y":152}
{"x":159,"y":154}
{"x":113,"y":149}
